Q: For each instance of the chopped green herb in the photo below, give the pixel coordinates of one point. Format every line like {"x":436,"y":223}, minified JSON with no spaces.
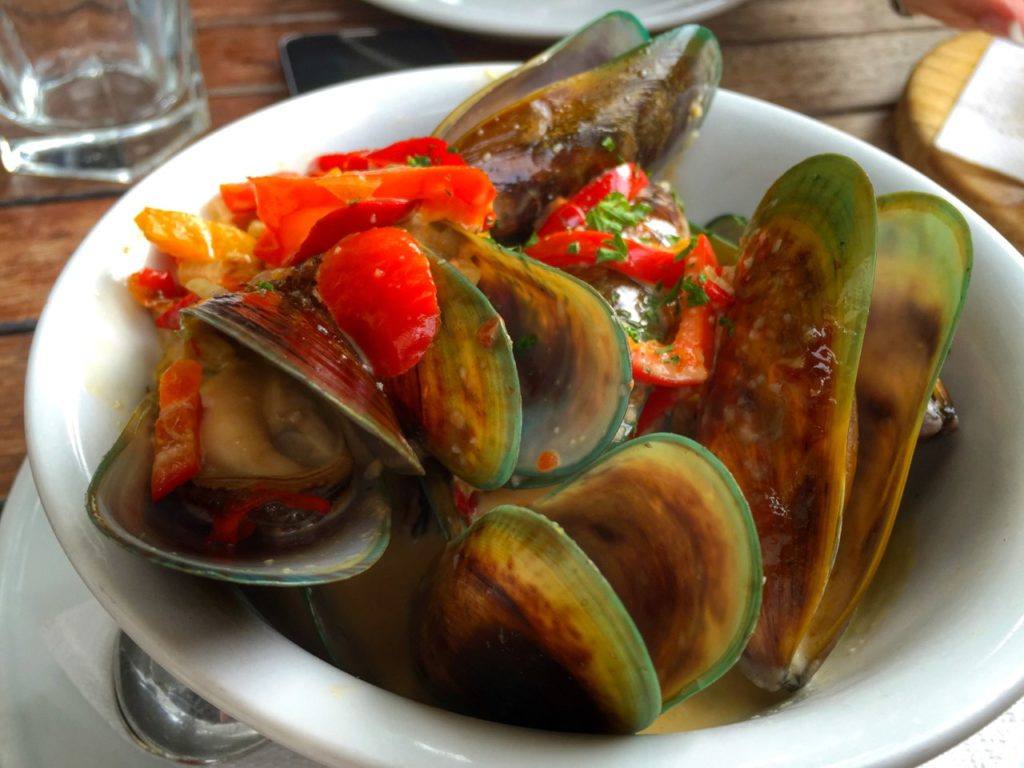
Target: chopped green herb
{"x":532,"y":241}
{"x":525,"y":343}
{"x":618,"y":251}
{"x":608,"y":143}
{"x":636,"y":334}
{"x":418,"y":161}
{"x":615,"y":213}
{"x":573,"y":248}
{"x":263,"y":285}
{"x":726,"y":323}
{"x":696,"y":296}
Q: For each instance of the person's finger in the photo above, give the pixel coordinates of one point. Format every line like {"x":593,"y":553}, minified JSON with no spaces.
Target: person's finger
{"x":998,"y":17}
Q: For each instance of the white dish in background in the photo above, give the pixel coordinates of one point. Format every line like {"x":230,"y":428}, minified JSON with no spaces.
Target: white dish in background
{"x":944,"y":656}
{"x":551,"y":18}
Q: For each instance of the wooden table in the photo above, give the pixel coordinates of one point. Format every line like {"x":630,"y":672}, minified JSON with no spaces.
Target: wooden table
{"x":842,"y":61}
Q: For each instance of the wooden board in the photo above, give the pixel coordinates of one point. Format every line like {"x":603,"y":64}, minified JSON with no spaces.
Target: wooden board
{"x":931,"y":93}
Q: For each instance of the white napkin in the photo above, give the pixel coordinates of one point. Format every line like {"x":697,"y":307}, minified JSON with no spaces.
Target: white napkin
{"x":986,"y":126}
{"x":81,"y":640}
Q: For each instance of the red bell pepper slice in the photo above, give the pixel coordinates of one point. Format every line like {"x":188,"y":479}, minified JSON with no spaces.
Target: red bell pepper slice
{"x":291,"y":207}
{"x":628,"y":179}
{"x":378,"y":288}
{"x":171,"y":319}
{"x":659,"y":403}
{"x":239,"y":197}
{"x":230,"y":525}
{"x":149,"y":285}
{"x":177,"y":455}
{"x":686,"y":360}
{"x":646,"y":263}
{"x":311,"y":231}
{"x":427,"y":151}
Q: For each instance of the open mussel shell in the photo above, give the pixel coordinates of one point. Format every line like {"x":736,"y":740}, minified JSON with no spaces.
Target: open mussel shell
{"x":613,"y":34}
{"x":779,"y":400}
{"x":346,"y":541}
{"x":646,"y":565}
{"x":666,"y":525}
{"x":641,"y":107}
{"x":463,"y":396}
{"x":921,"y":277}
{"x":570,"y":353}
{"x":518,"y":625}
{"x":300,"y":342}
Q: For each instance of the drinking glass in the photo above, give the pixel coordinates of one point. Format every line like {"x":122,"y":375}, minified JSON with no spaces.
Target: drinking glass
{"x":99,"y":89}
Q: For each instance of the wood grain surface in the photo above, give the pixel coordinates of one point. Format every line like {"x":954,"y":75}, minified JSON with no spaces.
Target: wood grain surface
{"x":844,"y":61}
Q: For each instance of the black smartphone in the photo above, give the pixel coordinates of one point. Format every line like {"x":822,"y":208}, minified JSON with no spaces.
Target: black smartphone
{"x":315,"y":61}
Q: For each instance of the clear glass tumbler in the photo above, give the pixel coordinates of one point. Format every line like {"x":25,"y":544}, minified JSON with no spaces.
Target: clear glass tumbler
{"x":100,"y":89}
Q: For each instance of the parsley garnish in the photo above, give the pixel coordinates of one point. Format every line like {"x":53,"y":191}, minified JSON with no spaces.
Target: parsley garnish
{"x":728,"y":324}
{"x":418,"y":161}
{"x":608,"y":143}
{"x":615,"y":213}
{"x":618,"y":251}
{"x":532,"y":241}
{"x":264,"y":285}
{"x":572,"y":248}
{"x":696,"y":296}
{"x":525,"y":343}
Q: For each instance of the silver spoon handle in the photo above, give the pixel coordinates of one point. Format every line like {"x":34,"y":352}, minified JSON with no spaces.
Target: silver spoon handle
{"x":169,"y":719}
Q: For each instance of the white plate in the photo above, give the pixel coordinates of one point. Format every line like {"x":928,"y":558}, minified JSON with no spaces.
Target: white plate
{"x":945,"y":656}
{"x":44,"y":720}
{"x":550,"y":18}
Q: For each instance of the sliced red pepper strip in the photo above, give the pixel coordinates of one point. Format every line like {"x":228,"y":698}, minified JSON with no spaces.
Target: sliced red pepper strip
{"x":230,"y":525}
{"x":432,"y":150}
{"x":627,"y":179}
{"x":176,"y":451}
{"x":466,"y":498}
{"x":171,"y":319}
{"x":290,"y":207}
{"x":357,"y":217}
{"x":148,"y":284}
{"x":239,"y":197}
{"x":659,"y":403}
{"x":687,"y":359}
{"x":646,"y":263}
{"x":378,"y":288}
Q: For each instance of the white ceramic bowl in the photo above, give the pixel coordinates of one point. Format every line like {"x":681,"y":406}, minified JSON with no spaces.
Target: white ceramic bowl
{"x":943,"y":656}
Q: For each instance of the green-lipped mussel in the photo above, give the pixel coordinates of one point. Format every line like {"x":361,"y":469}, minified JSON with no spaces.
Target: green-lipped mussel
{"x":825,"y":476}
{"x":627,"y":589}
{"x":640,"y":106}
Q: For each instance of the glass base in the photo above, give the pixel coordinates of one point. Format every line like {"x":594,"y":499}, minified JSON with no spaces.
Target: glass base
{"x":119,"y":154}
